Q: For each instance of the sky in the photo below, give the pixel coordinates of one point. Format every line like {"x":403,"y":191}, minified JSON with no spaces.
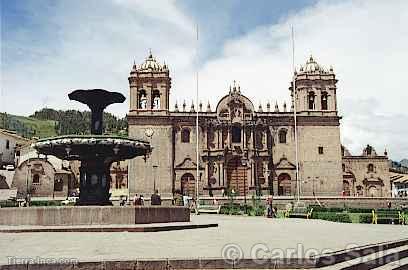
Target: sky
{"x":49,"y":48}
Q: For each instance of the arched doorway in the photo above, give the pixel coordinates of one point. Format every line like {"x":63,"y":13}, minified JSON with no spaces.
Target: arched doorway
{"x":236,"y":176}
{"x":187,"y":184}
{"x":346,"y":188}
{"x":284,"y":185}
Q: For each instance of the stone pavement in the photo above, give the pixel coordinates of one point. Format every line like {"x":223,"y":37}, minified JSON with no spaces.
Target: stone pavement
{"x":286,"y":237}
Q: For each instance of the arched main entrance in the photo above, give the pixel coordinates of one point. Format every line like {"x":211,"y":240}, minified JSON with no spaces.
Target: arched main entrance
{"x":236,"y":176}
{"x":284,"y":185}
{"x":187,"y":184}
{"x":346,"y":188}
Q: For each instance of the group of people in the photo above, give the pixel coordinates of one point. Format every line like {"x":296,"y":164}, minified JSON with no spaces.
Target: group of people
{"x":155,"y":199}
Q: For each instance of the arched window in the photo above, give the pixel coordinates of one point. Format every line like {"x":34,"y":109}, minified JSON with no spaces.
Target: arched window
{"x":311,"y":100}
{"x":282,"y":135}
{"x":324,"y":101}
{"x":156,"y":100}
{"x":236,"y":134}
{"x":185,"y":135}
{"x":142,"y":100}
{"x":7,"y":144}
{"x":344,"y":167}
{"x":370,"y":167}
{"x":36,"y":179}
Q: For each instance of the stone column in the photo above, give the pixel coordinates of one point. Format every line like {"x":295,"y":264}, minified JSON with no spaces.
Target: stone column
{"x":221,"y":170}
{"x":228,"y":138}
{"x":266,"y":173}
{"x":205,"y":176}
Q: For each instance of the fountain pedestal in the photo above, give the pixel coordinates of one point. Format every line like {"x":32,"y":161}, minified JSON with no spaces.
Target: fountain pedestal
{"x":94,"y":182}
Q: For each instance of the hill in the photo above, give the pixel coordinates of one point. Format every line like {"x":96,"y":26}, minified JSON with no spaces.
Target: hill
{"x":49,"y":122}
{"x":28,"y":127}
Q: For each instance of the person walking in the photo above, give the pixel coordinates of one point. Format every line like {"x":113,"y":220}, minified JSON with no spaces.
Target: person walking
{"x":155,"y":199}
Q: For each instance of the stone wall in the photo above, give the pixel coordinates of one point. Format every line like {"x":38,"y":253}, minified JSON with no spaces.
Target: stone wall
{"x":92,"y":215}
{"x":157,"y":171}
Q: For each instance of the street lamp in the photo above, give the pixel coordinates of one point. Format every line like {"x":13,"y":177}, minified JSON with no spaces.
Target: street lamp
{"x":244,"y":163}
{"x":154,"y":177}
{"x":27,"y":190}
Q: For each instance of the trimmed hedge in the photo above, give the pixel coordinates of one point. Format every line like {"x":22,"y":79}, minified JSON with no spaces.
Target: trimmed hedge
{"x":366,"y":218}
{"x":8,"y":204}
{"x":329,"y":216}
{"x":45,"y":203}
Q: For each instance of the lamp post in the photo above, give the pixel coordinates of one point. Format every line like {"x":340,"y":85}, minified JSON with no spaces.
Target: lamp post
{"x":27,"y":189}
{"x":244,"y":163}
{"x":154,"y":177}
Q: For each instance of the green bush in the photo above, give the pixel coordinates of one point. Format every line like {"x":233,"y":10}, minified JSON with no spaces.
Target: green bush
{"x":319,"y":208}
{"x":366,"y":218}
{"x":359,"y":210}
{"x":45,"y":203}
{"x":8,"y":204}
{"x":330,"y":216}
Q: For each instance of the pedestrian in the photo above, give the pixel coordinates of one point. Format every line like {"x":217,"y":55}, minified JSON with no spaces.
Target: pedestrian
{"x":141,"y":200}
{"x":135,"y":200}
{"x":155,"y":199}
{"x":269,"y":208}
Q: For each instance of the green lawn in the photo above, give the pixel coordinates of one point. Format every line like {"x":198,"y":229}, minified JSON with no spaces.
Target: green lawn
{"x":43,"y":128}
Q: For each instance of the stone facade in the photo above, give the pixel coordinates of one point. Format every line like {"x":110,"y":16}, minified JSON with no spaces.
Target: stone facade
{"x":242,"y":148}
{"x":10,"y":143}
{"x":40,"y":178}
{"x":367,"y":174}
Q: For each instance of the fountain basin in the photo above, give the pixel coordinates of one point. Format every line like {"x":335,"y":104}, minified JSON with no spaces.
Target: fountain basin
{"x":96,"y":153}
{"x":81,"y":147}
{"x":92,"y":215}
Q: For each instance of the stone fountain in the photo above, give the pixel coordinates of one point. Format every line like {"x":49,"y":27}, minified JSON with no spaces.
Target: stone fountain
{"x":96,"y":151}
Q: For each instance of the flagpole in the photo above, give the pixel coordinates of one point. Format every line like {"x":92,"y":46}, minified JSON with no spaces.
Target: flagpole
{"x":295,"y":116}
{"x":197,"y":131}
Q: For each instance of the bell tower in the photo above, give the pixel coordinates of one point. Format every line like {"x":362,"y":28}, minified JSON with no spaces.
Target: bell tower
{"x":316,"y":90}
{"x":149,"y":87}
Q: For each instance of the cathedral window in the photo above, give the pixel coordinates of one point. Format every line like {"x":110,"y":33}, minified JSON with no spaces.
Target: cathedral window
{"x":282,"y":136}
{"x":236,"y":134}
{"x":7,"y":144}
{"x":142,"y":100}
{"x":156,"y":100}
{"x":370,"y":168}
{"x":324,"y":101}
{"x":59,"y":185}
{"x":36,"y":179}
{"x":185,"y":135}
{"x":311,"y":100}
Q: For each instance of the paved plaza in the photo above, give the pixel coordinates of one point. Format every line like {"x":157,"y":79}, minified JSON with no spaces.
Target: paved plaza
{"x":246,"y":233}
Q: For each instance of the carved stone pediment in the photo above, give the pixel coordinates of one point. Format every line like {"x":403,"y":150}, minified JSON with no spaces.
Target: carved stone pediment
{"x":187,"y":164}
{"x":285,"y":164}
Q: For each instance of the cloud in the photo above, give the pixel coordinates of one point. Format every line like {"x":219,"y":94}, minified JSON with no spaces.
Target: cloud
{"x":365,"y":42}
{"x":89,"y":50}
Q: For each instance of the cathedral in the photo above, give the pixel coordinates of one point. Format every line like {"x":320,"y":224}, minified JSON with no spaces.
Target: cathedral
{"x":247,"y":149}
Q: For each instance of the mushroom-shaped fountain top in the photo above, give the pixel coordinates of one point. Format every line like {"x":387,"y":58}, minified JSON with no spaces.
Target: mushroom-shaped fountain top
{"x":97,"y":100}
